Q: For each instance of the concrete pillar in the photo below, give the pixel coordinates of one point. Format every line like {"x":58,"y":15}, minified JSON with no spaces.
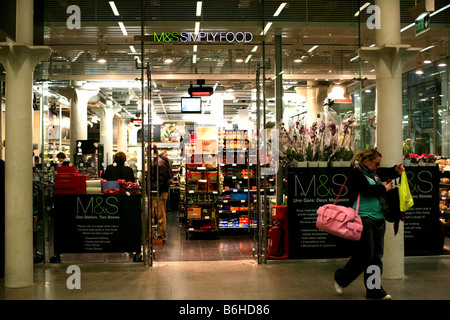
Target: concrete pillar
{"x":106,"y":115}
{"x":122,"y":134}
{"x":78,"y":116}
{"x":19,"y":60}
{"x":389,"y":57}
{"x":315,"y":95}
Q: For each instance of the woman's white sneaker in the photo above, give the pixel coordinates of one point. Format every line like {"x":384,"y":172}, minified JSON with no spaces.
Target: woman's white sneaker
{"x":338,"y":288}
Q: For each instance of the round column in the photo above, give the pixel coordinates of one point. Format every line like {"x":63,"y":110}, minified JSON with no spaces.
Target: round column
{"x":19,"y":60}
{"x":78,"y":116}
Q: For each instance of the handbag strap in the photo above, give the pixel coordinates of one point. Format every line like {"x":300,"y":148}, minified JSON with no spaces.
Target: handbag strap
{"x":339,"y":194}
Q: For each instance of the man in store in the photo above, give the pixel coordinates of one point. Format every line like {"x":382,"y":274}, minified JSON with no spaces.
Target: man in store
{"x":159,"y":202}
{"x":62,"y":159}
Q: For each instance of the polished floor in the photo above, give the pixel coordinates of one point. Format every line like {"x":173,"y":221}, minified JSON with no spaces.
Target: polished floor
{"x":221,"y":270}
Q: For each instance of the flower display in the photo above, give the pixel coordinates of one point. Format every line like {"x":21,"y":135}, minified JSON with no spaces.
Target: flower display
{"x":329,"y":138}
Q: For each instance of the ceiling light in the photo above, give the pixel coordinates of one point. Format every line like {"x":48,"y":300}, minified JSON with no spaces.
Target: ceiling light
{"x":280,"y":8}
{"x":195,"y":48}
{"x":132,"y":49}
{"x":266,"y":28}
{"x":168,"y":60}
{"x":122,"y":27}
{"x":114,"y":8}
{"x":199,"y":9}
{"x":255,"y":48}
{"x":427,"y":48}
{"x":427,"y":59}
{"x":101,"y":58}
{"x":362,"y":8}
{"x":313,"y":48}
{"x":354,"y":58}
{"x":239,"y":59}
{"x":197,"y":27}
{"x":248,"y":58}
{"x":419,"y":70}
{"x":298,"y":58}
{"x":194,"y":58}
{"x":442,"y":63}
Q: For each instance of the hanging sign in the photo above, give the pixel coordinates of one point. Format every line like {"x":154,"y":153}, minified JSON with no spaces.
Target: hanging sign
{"x":422,"y":23}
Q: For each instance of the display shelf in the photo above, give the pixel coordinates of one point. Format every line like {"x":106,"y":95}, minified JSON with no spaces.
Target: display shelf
{"x":444,"y":198}
{"x":236,"y":207}
{"x":200,"y":199}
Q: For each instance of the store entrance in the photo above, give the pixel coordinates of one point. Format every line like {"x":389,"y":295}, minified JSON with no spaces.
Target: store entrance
{"x":236,"y":246}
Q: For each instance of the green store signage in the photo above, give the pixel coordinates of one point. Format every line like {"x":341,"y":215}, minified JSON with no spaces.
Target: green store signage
{"x":185,"y":37}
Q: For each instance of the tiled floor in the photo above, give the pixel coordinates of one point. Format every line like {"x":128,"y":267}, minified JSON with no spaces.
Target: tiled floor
{"x":227,"y":246}
{"x":178,"y":275}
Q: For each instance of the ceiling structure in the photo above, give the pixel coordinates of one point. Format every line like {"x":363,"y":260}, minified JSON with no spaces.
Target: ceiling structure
{"x":325,"y":33}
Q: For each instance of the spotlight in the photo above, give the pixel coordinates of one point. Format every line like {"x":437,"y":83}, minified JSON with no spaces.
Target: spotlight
{"x":101,"y":58}
{"x":442,"y":63}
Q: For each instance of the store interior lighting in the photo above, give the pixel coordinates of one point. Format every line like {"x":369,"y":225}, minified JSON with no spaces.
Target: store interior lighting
{"x":266,"y":28}
{"x":199,"y":8}
{"x":419,"y":69}
{"x":442,"y":62}
{"x":114,"y":8}
{"x":280,"y":8}
{"x":122,"y":28}
{"x":101,"y":50}
{"x":442,"y":56}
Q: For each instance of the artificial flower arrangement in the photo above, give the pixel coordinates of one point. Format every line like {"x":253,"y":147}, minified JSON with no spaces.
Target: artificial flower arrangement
{"x":424,"y":158}
{"x":329,"y":138}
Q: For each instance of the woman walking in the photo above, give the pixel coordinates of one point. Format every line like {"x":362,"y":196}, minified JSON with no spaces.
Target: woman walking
{"x":367,"y":179}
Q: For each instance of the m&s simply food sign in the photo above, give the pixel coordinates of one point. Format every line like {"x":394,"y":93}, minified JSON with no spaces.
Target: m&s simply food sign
{"x":186,"y":37}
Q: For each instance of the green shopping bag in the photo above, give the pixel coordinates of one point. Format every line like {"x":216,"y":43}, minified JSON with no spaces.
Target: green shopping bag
{"x":404,"y":194}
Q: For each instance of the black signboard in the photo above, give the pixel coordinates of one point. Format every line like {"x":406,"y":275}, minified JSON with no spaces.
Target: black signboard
{"x":97,"y":223}
{"x":422,"y":228}
{"x":308,"y":189}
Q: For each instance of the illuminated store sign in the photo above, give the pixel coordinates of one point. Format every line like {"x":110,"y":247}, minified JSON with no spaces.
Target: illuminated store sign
{"x":203,"y":36}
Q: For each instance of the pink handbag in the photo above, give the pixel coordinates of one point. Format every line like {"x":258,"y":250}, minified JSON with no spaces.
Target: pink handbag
{"x":340,"y":221}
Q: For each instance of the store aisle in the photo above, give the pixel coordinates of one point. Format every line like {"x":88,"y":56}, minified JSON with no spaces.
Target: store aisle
{"x":177,"y":248}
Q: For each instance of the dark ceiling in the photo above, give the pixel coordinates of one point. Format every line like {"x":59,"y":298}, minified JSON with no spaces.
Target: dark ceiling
{"x":330,"y":25}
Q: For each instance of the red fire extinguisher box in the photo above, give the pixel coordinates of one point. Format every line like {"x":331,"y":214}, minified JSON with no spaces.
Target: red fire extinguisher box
{"x":278,"y":246}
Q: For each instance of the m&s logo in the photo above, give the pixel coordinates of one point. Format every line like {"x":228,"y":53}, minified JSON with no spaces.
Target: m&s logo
{"x":203,"y":36}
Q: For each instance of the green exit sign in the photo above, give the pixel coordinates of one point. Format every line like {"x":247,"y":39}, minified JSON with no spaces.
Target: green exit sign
{"x":422,"y":23}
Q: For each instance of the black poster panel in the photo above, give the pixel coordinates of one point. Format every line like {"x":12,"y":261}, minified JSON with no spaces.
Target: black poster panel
{"x":308,"y":189}
{"x":97,"y":223}
{"x":422,"y":228}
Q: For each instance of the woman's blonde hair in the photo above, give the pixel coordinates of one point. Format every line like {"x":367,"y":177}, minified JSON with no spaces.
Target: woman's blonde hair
{"x":370,"y":154}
